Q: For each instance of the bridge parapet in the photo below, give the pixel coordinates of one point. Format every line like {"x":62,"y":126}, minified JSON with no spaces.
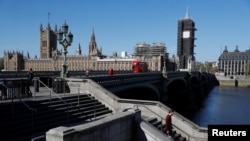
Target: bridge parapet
{"x":126,"y":79}
{"x":72,"y":74}
{"x":174,"y":74}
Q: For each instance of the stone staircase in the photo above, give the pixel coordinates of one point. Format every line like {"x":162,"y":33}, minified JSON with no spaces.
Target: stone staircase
{"x":21,"y":123}
{"x":158,"y":124}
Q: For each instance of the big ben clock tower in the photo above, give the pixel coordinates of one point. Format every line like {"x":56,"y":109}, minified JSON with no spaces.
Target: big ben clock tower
{"x":185,"y":43}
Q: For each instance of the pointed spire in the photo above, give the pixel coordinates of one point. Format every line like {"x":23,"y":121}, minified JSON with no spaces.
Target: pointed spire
{"x":78,"y":50}
{"x":93,"y":49}
{"x":28,"y":55}
{"x":93,"y":35}
{"x":55,"y":28}
{"x":187,"y":14}
{"x":48,"y":16}
{"x":48,"y":26}
{"x":41,"y":27}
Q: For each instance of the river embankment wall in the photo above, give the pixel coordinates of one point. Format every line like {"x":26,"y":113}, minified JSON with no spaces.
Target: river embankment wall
{"x":235,"y":83}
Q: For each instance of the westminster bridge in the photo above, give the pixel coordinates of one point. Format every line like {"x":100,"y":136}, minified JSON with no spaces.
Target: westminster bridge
{"x":176,"y":89}
{"x":151,"y":93}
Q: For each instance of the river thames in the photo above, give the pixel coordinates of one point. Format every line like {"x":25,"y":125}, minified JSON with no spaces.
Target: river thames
{"x":225,"y":105}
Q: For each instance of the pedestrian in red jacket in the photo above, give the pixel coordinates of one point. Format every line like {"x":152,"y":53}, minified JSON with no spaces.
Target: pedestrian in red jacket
{"x":168,"y":123}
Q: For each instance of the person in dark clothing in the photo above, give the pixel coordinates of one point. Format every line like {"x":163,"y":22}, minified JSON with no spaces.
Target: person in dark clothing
{"x":30,"y":76}
{"x":168,"y":123}
{"x":87,"y":72}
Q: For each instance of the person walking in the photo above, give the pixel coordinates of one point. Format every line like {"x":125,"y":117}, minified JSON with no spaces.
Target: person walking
{"x":30,"y":76}
{"x":168,"y":123}
{"x":87,"y":72}
{"x":111,"y":71}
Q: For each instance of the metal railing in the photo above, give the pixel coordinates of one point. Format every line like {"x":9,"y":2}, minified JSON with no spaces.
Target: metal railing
{"x":95,"y":105}
{"x":33,"y":110}
{"x":183,"y":119}
{"x":51,"y":91}
{"x":54,"y":94}
{"x":39,"y":138}
{"x":19,"y":86}
{"x":91,"y":99}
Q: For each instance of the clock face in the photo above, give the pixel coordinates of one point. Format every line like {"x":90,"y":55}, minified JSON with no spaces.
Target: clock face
{"x":186,"y":34}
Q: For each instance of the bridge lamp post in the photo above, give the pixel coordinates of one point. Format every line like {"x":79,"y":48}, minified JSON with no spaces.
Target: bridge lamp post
{"x":164,"y":69}
{"x":65,"y":39}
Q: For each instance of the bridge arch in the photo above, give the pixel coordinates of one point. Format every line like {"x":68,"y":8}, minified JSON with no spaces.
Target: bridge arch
{"x":194,"y":80}
{"x":140,"y":92}
{"x":177,"y":92}
{"x":203,"y":77}
{"x":204,"y":82}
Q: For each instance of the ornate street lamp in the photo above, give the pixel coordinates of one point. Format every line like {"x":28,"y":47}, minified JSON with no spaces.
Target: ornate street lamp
{"x":65,"y":42}
{"x":164,"y":68}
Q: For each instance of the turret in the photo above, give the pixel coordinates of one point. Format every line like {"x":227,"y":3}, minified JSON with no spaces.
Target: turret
{"x":78,"y":50}
{"x":55,"y":28}
{"x":236,"y":49}
{"x":225,"y":50}
{"x":41,"y":27}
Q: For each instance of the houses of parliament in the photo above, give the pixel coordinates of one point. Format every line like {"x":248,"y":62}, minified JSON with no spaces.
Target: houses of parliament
{"x":51,"y":57}
{"x":155,"y":54}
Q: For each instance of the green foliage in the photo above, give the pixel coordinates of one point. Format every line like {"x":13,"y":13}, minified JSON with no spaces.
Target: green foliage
{"x":200,"y":67}
{"x":206,"y":67}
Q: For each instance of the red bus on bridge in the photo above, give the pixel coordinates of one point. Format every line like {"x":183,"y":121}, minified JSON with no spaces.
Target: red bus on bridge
{"x":139,"y":66}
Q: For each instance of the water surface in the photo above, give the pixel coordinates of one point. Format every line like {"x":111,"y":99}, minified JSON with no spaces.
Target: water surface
{"x":225,"y":105}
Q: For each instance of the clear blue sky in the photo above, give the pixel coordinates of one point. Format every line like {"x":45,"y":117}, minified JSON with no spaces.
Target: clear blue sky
{"x":120,"y":24}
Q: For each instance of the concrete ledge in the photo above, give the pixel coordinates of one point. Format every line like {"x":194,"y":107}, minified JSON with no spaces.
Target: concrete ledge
{"x":153,"y":134}
{"x":113,"y":128}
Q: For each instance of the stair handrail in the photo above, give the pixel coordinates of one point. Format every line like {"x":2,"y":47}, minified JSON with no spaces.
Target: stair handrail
{"x":52,"y":92}
{"x":137,"y":105}
{"x":95,"y":105}
{"x":14,"y":94}
{"x":26,"y":105}
{"x":162,"y":119}
{"x":41,"y":137}
{"x":78,"y":102}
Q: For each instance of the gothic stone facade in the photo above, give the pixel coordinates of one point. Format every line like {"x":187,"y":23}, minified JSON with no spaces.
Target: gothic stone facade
{"x":51,"y":58}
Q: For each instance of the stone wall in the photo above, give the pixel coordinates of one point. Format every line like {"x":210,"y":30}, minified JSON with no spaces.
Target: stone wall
{"x":118,"y":127}
{"x":235,"y":83}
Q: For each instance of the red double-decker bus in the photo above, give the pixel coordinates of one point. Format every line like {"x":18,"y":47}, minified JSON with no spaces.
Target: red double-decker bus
{"x":139,"y":66}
